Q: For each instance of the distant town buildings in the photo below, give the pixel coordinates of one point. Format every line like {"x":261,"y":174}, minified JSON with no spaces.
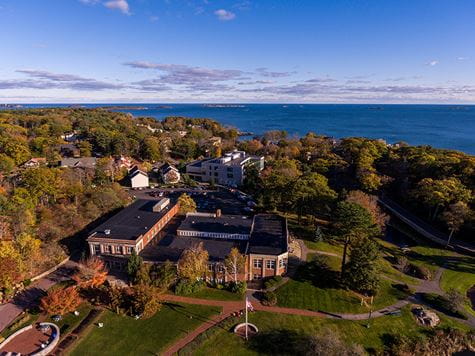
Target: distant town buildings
{"x":169,"y":174}
{"x":138,"y":178}
{"x":83,"y":162}
{"x":34,"y":162}
{"x":229,"y":169}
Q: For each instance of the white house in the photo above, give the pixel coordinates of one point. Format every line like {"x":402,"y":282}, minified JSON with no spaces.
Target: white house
{"x":138,"y":178}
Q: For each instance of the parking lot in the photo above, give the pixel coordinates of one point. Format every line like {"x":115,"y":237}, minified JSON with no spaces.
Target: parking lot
{"x":207,"y":200}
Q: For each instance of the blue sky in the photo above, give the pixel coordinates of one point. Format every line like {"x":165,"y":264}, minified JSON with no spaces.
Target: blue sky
{"x":315,"y":51}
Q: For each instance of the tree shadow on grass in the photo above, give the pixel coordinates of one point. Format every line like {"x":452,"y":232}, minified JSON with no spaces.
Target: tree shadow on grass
{"x":180,"y":309}
{"x":279,"y":342}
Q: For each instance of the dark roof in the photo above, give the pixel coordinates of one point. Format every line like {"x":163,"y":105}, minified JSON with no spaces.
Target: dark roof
{"x":269,"y":235}
{"x":197,"y":163}
{"x":83,"y":162}
{"x":227,"y":224}
{"x":171,"y":247}
{"x":132,"y":221}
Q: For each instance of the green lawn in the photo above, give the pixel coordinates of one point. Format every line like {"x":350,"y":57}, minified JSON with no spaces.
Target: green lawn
{"x":70,"y":321}
{"x":460,"y":275}
{"x":351,"y":331}
{"x":324,"y":246}
{"x":304,"y":295}
{"x":216,"y":294}
{"x":333,"y":262}
{"x":123,"y":335}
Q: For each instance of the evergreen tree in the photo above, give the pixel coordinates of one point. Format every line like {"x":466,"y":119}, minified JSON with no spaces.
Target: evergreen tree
{"x":361,"y":272}
{"x":133,"y":265}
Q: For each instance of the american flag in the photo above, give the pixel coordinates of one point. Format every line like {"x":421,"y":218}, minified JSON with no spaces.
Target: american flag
{"x":249,"y":305}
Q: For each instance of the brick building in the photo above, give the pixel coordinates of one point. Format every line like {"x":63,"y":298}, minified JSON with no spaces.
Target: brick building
{"x":132,"y":228}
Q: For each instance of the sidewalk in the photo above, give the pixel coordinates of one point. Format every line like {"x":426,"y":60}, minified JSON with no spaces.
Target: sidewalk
{"x":30,"y":296}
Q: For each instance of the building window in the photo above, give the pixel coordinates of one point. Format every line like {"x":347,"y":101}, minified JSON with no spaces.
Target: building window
{"x":128,"y":250}
{"x":270,"y":264}
{"x":107,"y":249}
{"x":118,"y":249}
{"x":220,"y":268}
{"x":257,"y":276}
{"x":97,"y":249}
{"x":281,"y":263}
{"x":210,"y":268}
{"x":230,"y":175}
{"x":257,"y":263}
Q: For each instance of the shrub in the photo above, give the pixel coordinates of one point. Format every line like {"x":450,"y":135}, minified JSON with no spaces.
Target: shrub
{"x":420,"y":272}
{"x":186,"y":287}
{"x":269,"y":298}
{"x":237,"y":287}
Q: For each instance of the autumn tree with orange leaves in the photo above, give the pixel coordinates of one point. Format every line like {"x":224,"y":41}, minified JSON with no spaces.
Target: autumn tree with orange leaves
{"x":92,"y":273}
{"x":60,"y":301}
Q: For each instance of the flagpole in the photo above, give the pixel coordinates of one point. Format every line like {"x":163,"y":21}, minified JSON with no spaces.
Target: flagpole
{"x":246,"y":318}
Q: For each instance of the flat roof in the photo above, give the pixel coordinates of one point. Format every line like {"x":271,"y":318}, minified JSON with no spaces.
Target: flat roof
{"x":171,"y":247}
{"x":269,"y":235}
{"x":226,"y":224}
{"x":132,"y":221}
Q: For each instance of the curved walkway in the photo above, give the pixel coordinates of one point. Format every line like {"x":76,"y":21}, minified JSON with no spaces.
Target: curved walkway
{"x":31,"y":295}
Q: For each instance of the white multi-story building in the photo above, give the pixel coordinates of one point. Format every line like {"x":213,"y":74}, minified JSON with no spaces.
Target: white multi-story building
{"x":229,"y":169}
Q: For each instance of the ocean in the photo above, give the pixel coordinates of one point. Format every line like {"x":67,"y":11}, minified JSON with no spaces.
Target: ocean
{"x":441,"y":126}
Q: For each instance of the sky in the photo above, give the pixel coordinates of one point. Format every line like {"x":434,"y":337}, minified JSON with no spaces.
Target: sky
{"x":249,"y":51}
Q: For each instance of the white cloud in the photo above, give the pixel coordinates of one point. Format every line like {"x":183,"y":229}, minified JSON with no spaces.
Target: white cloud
{"x":224,"y":15}
{"x":153,"y":18}
{"x":462,"y":58}
{"x":432,"y":63}
{"x":89,"y":2}
{"x":121,"y":5}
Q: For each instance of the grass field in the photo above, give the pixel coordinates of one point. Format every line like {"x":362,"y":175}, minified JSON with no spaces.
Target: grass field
{"x":70,"y":321}
{"x":304,"y":295}
{"x":216,"y":294}
{"x":351,"y":331}
{"x":459,"y":274}
{"x":123,"y":335}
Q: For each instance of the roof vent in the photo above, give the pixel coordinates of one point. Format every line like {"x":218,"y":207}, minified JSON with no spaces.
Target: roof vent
{"x":138,"y":216}
{"x":107,"y":232}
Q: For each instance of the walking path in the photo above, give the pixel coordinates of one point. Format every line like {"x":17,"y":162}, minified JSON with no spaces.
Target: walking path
{"x":30,"y":296}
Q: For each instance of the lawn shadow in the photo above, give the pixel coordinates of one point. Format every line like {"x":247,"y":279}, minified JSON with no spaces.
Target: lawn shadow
{"x":180,"y":309}
{"x":279,"y":342}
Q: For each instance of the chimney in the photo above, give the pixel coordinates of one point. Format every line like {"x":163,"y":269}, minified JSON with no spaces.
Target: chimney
{"x":218,"y":213}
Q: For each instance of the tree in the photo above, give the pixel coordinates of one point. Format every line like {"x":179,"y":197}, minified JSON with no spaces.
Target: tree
{"x":92,"y":273}
{"x":133,"y":265}
{"x":370,"y":203}
{"x":163,"y":276}
{"x":311,"y":193}
{"x":353,"y":221}
{"x":438,"y":193}
{"x":235,"y":263}
{"x":455,"y":216}
{"x":145,"y":300}
{"x":361,"y":272}
{"x":60,"y":301}
{"x":193,"y":262}
{"x":11,"y":266}
{"x":143,"y":275}
{"x":186,"y":204}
